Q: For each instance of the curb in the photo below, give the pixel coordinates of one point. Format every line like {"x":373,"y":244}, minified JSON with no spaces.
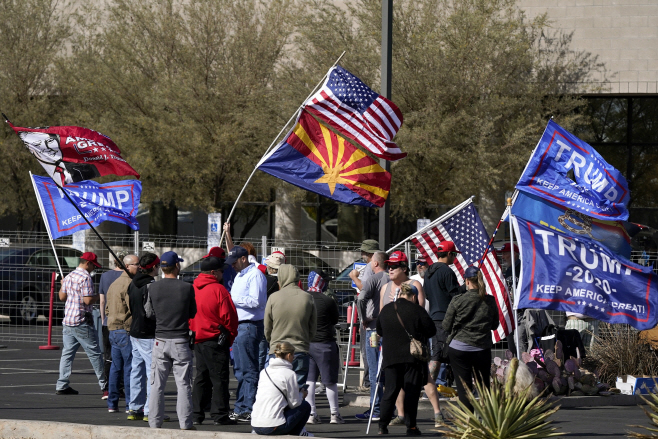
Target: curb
{"x":356,"y":400}
{"x":10,"y":428}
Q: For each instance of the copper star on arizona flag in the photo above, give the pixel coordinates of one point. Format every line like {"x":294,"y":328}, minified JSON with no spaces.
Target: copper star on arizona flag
{"x":315,"y":158}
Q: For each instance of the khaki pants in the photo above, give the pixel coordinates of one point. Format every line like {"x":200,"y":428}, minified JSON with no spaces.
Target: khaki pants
{"x":168,"y":354}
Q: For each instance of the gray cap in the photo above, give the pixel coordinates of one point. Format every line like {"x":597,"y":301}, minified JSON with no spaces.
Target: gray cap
{"x":370,"y":246}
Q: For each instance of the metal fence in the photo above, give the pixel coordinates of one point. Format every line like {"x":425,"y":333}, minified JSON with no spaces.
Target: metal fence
{"x":28,"y":261}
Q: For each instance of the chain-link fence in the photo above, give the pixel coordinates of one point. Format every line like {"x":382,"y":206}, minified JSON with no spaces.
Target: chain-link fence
{"x":27,"y":262}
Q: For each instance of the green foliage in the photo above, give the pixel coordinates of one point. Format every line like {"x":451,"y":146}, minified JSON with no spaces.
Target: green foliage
{"x":501,"y":413}
{"x":476,"y":82}
{"x":33,"y":34}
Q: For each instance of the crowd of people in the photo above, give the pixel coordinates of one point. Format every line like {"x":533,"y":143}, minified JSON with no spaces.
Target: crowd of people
{"x":280,"y":337}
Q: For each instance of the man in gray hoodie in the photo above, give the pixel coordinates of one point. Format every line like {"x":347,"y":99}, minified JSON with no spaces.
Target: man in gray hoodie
{"x":290,"y":315}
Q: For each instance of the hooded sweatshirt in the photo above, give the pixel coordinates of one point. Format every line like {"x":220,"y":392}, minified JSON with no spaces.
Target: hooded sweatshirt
{"x":140,"y":327}
{"x":214,"y":307}
{"x":290,"y":314}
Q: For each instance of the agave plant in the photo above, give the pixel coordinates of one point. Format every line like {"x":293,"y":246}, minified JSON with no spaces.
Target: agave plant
{"x":652,"y":402}
{"x":501,"y":413}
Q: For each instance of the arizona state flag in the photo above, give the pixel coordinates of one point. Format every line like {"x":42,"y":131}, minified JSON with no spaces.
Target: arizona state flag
{"x":314,"y":158}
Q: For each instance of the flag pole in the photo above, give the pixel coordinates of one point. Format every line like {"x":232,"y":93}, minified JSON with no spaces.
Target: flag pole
{"x":442,"y":218}
{"x":260,"y":162}
{"x":81,"y":214}
{"x":45,"y":221}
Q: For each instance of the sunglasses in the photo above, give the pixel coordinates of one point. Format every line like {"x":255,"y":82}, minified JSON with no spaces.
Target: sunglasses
{"x":454,"y":254}
{"x":394,"y":267}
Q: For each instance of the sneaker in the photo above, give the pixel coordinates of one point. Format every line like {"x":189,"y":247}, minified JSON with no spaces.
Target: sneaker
{"x":226,"y":421}
{"x":413,"y":431}
{"x":398,"y":420}
{"x":244,"y":417}
{"x":165,"y":418}
{"x":382,"y":430}
{"x":105,"y":395}
{"x":336,"y":419}
{"x":111,"y":410}
{"x":197,"y":422}
{"x":306,"y":433}
{"x":314,"y":419}
{"x":233,"y":415}
{"x":134,"y":415}
{"x":365,"y":416}
{"x":67,"y":391}
{"x":439,"y":420}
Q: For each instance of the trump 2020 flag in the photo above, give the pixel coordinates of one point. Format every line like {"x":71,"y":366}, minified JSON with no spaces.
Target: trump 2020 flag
{"x":598,"y":189}
{"x":314,"y":158}
{"x":71,"y":154}
{"x":464,"y":228}
{"x":355,"y":111}
{"x":117,"y":201}
{"x":581,"y":276}
{"x":571,"y":222}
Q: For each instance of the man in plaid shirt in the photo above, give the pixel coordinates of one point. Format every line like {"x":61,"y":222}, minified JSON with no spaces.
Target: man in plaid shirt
{"x":78,"y":326}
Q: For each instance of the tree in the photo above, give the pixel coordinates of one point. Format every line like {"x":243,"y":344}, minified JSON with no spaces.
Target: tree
{"x":476,"y":82}
{"x":186,"y":89}
{"x":33,"y":37}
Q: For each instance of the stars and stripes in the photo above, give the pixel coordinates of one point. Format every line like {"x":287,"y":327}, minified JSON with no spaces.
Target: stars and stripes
{"x":465,"y":229}
{"x":357,"y":112}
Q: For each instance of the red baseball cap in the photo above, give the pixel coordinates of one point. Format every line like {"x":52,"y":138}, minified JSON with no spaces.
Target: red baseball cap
{"x":216,"y":252}
{"x":508,"y":248}
{"x":280,"y":253}
{"x":448,"y":246}
{"x":397,"y":257}
{"x":91,"y":257}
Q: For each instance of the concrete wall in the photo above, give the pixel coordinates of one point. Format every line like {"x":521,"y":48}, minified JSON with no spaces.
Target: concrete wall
{"x":623,"y":33}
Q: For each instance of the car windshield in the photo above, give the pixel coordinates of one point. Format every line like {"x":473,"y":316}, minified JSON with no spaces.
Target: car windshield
{"x":6,"y":255}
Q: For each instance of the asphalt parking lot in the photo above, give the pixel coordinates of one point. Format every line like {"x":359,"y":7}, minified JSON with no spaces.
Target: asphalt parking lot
{"x":27,"y":391}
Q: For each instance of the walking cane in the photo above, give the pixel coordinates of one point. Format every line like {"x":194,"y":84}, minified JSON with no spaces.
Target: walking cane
{"x":372,"y":404}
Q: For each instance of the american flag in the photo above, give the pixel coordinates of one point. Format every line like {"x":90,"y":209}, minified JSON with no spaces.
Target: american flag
{"x":357,"y":112}
{"x":464,"y":227}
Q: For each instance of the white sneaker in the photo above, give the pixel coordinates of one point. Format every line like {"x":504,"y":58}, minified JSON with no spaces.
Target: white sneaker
{"x":336,"y":419}
{"x":306,"y":433}
{"x":314,"y":419}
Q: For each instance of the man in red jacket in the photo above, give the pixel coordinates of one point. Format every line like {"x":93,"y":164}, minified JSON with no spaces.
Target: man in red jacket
{"x":215,"y":325}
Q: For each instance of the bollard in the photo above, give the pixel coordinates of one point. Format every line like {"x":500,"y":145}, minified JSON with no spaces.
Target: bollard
{"x":50,"y":346}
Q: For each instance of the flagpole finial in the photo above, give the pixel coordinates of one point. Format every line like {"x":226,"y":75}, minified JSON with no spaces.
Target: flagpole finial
{"x":5,"y":117}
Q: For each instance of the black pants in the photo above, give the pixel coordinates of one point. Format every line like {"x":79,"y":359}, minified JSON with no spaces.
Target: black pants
{"x":211,"y":381}
{"x":408,"y":376}
{"x":466,"y":366}
{"x":107,"y":356}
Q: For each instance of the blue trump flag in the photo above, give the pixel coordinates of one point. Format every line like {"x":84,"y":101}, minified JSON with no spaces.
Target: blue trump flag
{"x":571,"y":222}
{"x":579,"y":275}
{"x":598,"y":189}
{"x":117,"y":201}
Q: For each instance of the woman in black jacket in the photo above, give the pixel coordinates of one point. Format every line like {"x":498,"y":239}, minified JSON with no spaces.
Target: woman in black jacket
{"x":397,"y":321}
{"x":469,"y":320}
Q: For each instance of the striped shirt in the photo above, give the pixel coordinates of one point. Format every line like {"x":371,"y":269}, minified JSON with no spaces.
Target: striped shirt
{"x":76,"y":285}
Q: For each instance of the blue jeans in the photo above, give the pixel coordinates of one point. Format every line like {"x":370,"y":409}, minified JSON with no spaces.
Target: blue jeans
{"x":140,"y":371}
{"x":442,"y":377}
{"x":295,"y":421}
{"x":98,"y":325}
{"x":245,"y":368}
{"x":122,"y":358}
{"x":263,"y":349}
{"x":372,"y":356}
{"x":299,"y":366}
{"x":73,"y":337}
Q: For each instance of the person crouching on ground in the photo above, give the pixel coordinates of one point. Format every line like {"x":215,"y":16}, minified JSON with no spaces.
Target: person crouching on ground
{"x":280,"y":407}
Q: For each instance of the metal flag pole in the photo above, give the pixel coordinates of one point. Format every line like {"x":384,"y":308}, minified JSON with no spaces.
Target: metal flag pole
{"x":372,"y":403}
{"x":45,"y":221}
{"x":260,"y":162}
{"x":123,"y":267}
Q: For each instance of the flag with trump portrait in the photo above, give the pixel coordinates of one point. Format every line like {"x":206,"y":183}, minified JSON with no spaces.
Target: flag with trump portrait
{"x":463,"y":227}
{"x":71,"y":154}
{"x":349,"y":106}
{"x":315,"y":158}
